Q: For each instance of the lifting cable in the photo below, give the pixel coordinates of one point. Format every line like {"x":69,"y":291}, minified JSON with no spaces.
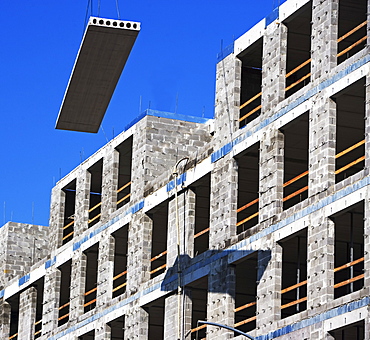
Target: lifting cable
{"x":90,"y":6}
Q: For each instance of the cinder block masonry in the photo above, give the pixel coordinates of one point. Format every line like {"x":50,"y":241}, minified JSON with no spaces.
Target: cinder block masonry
{"x":265,"y":227}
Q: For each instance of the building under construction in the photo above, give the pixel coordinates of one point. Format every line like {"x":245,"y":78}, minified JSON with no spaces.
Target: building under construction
{"x":257,"y":219}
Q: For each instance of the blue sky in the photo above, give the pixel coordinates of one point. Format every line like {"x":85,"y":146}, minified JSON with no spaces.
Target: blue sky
{"x":174,"y":57}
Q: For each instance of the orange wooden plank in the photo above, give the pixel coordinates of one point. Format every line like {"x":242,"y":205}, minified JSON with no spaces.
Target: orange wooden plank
{"x":250,"y":100}
{"x":296,"y":302}
{"x":247,"y":205}
{"x":295,"y":193}
{"x":349,"y":264}
{"x":354,"y":146}
{"x":247,"y":219}
{"x":123,"y":187}
{"x":303,"y":174}
{"x":250,"y":113}
{"x":245,"y":306}
{"x":201,"y":232}
{"x":358,"y":160}
{"x":346,"y":282}
{"x":245,"y":321}
{"x":288,"y":289}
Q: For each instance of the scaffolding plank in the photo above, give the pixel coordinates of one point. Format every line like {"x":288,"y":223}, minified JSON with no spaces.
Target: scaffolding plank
{"x":101,"y":58}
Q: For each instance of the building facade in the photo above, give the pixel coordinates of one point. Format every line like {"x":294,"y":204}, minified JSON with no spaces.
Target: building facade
{"x":257,"y":219}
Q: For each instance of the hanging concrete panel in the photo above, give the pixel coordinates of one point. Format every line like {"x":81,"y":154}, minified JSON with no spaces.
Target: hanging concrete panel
{"x":102,"y":56}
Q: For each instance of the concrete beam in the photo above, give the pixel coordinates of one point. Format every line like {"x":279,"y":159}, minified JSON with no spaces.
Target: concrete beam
{"x":101,"y":58}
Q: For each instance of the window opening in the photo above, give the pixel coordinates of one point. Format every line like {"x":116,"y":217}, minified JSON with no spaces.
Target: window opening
{"x":159,"y":217}
{"x":124,"y":173}
{"x":354,"y":331}
{"x":117,"y":328}
{"x":120,"y":260}
{"x":39,"y":285}
{"x":298,"y":68}
{"x":350,"y":142}
{"x":64,"y":294}
{"x":96,"y":172}
{"x":251,"y":82}
{"x":69,"y":211}
{"x":295,"y":161}
{"x":155,"y":311}
{"x":248,"y":188}
{"x":91,"y":277}
{"x":352,"y":28}
{"x":349,"y":250}
{"x":246,"y":293}
{"x":14,"y":316}
{"x":202,"y":189}
{"x":294,"y":274}
{"x":88,"y":336}
{"x":199,"y":293}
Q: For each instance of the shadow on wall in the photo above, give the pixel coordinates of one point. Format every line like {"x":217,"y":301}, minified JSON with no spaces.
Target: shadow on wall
{"x":192,"y":269}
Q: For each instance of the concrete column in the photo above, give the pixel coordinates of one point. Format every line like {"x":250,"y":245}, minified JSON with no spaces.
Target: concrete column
{"x":27,"y":314}
{"x":56,"y":220}
{"x":273,"y":67}
{"x":268,"y":290}
{"x":223,"y":217}
{"x":320,"y":263}
{"x":105,"y":270}
{"x":78,"y":281}
{"x":139,"y":251}
{"x":367,"y":245}
{"x":271,"y":174}
{"x":82,"y":202}
{"x":51,"y":301}
{"x":172,"y":322}
{"x":228,"y":83}
{"x":324,"y":38}
{"x":5,"y":312}
{"x":190,"y":199}
{"x":136,"y":324}
{"x":109,"y":184}
{"x":367,"y":118}
{"x":221,"y":299}
{"x":186,"y":216}
{"x":321,"y":145}
{"x":102,"y":332}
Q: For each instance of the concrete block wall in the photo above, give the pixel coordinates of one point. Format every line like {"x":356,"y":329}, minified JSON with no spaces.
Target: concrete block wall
{"x":21,"y":246}
{"x":158,"y":143}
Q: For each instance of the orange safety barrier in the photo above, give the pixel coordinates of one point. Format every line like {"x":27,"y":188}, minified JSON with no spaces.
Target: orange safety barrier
{"x":13,"y":336}
{"x":238,"y":309}
{"x":290,"y":288}
{"x":201,"y":232}
{"x":156,"y":258}
{"x":303,"y":65}
{"x":347,"y":265}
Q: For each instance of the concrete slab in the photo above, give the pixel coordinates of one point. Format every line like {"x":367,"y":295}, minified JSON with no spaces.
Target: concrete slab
{"x":101,"y":58}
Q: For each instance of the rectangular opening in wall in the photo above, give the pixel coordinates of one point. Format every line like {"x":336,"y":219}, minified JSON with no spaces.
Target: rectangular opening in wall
{"x":120,"y":260}
{"x":117,"y":328}
{"x":155,"y":312}
{"x":350,"y":130}
{"x":14,"y":316}
{"x":124,"y":172}
{"x":352,"y":28}
{"x":69,"y":211}
{"x":355,"y":331}
{"x":295,"y":160}
{"x":88,"y":336}
{"x":298,"y":64}
{"x":91,"y":277}
{"x":64,"y":294}
{"x":202,"y":190}
{"x":199,"y":296}
{"x":39,"y":285}
{"x":349,"y":250}
{"x":248,"y":188}
{"x":96,"y":172}
{"x":246,"y":293}
{"x":294,"y":274}
{"x":158,"y":258}
{"x":251,"y":82}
